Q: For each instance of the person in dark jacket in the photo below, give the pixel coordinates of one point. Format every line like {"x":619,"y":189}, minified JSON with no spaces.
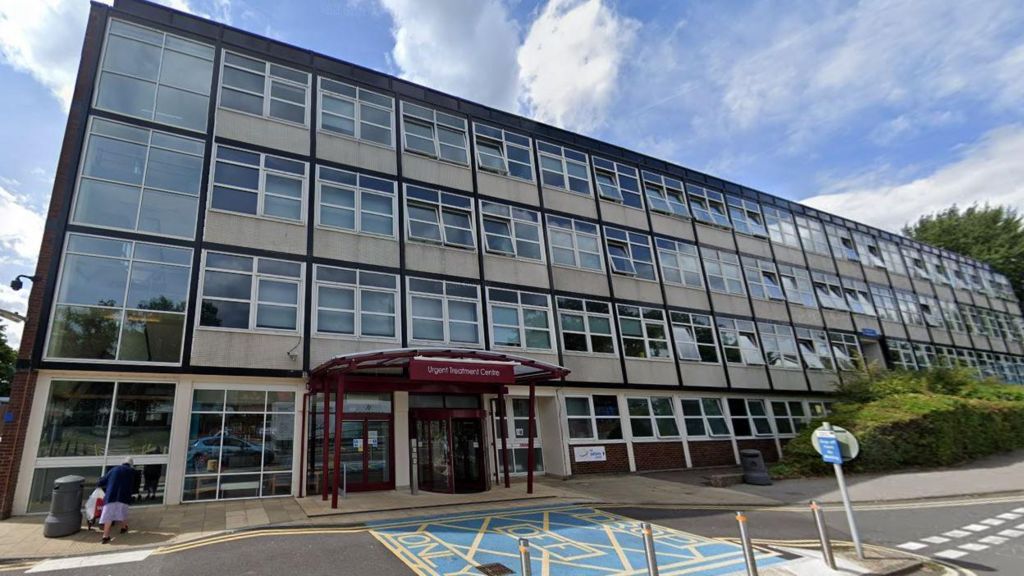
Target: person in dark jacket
{"x":118,"y":483}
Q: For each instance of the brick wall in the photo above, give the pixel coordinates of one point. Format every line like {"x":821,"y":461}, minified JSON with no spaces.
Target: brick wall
{"x":712,"y":453}
{"x":617,"y":460}
{"x":767,"y":448}
{"x":659,"y":455}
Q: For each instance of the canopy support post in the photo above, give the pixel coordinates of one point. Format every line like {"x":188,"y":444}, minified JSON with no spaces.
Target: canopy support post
{"x":529,"y":442}
{"x":327,"y":438}
{"x":339,"y":410}
{"x":504,"y":435}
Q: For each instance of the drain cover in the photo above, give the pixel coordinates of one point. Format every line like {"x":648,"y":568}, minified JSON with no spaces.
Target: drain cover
{"x":495,"y":569}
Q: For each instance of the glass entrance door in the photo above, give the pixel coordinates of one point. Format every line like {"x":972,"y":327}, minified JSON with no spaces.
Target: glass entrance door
{"x":517,"y":422}
{"x":467,"y":456}
{"x":450,"y":450}
{"x":434,"y":455}
{"x":366,"y":454}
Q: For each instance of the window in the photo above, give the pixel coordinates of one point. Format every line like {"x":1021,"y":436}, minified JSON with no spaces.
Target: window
{"x":703,"y":417}
{"x":356,"y":202}
{"x":814,"y":349}
{"x":925,"y":355}
{"x":952,"y":317}
{"x":789,"y":417}
{"x":695,"y":337}
{"x":446,"y":312}
{"x":749,"y":418}
{"x":746,"y":216}
{"x":434,"y":134}
{"x":945,"y":356}
{"x":138,"y":179}
{"x":829,"y":291}
{"x":652,"y":417}
{"x":885,"y":303}
{"x":918,"y":268}
{"x":723,"y":272}
{"x":812,"y":235}
{"x":240,"y":444}
{"x":931,"y":312}
{"x":966,"y":358}
{"x":586,"y":326}
{"x":439,"y":217}
{"x":798,"y":286}
{"x":780,"y":226}
{"x":1003,"y":287}
{"x":901,"y":354}
{"x":618,"y":183}
{"x":868,"y":249}
{"x":574,"y":243}
{"x":936,"y":269}
{"x":259,"y":184}
{"x":846,"y":350}
{"x":986,"y":364}
{"x":511,"y":231}
{"x":643,"y":332}
{"x":630,"y":253}
{"x":893,"y":259}
{"x":520,"y":319}
{"x":593,"y":417}
{"x":121,"y":301}
{"x":246,"y":293}
{"x":155,"y":76}
{"x":356,"y":112}
{"x":739,"y":342}
{"x":909,"y":309}
{"x":564,"y":168}
{"x":841,"y":240}
{"x":503,"y":152}
{"x":779,"y":345}
{"x":264,"y":89}
{"x":707,"y":205}
{"x":680,"y":263}
{"x":351,"y":302}
{"x":956,"y":276}
{"x":857,"y":297}
{"x":762,"y":279}
{"x":665,"y":195}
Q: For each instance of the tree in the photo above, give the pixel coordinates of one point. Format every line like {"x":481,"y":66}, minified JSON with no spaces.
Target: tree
{"x":991,"y":234}
{"x":7,"y":357}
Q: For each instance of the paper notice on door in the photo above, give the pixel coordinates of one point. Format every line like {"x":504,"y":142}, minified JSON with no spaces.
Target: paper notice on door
{"x":520,"y":433}
{"x":373,"y":438}
{"x":357,"y":443}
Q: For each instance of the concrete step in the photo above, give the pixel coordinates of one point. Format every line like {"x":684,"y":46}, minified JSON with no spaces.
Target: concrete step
{"x":726,"y":479}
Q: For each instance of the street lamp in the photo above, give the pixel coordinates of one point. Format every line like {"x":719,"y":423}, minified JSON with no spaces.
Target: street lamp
{"x":17,"y":284}
{"x":11,"y":315}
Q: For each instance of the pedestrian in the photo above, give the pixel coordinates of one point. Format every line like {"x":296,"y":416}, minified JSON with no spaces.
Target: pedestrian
{"x":118,"y":483}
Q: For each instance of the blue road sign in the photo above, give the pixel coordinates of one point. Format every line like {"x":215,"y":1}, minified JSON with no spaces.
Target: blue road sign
{"x":829,"y":448}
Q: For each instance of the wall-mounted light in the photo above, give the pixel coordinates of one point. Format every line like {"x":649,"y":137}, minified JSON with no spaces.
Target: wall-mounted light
{"x":17,"y":284}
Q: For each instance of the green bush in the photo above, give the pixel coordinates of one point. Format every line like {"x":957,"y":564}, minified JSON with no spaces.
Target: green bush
{"x":907,"y":419}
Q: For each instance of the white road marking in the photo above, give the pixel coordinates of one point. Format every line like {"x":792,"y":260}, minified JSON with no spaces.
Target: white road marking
{"x":950,"y":554}
{"x":956,"y":533}
{"x":1010,"y":533}
{"x":974,"y":547}
{"x":86,"y":561}
{"x":976,"y":527}
{"x":1009,"y":516}
{"x":1019,"y":510}
{"x":935,"y":540}
{"x":993,"y":540}
{"x":992,"y":521}
{"x":912,"y":546}
{"x":1020,"y":526}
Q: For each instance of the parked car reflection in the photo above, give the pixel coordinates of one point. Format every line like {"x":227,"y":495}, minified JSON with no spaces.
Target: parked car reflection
{"x":235,"y":453}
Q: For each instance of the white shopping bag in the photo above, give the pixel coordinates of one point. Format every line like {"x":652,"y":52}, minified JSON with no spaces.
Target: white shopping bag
{"x":94,"y":505}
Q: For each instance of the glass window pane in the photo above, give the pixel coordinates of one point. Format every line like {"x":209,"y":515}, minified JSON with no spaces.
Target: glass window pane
{"x":132,"y":57}
{"x":76,"y":417}
{"x":181,"y":108}
{"x":81,"y":332}
{"x":142,"y":419}
{"x":152,"y":337}
{"x":116,"y":160}
{"x":167,"y":213}
{"x":188,"y":72}
{"x":174,"y":171}
{"x":106,"y":204}
{"x":224,"y":314}
{"x":126,"y":95}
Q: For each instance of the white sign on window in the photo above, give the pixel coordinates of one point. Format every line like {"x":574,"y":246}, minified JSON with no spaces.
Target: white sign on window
{"x":590,"y":454}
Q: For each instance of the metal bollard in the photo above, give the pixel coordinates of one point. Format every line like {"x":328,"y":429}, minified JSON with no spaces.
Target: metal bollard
{"x":826,"y":544}
{"x":748,"y":549}
{"x":652,"y":558}
{"x":524,"y":557}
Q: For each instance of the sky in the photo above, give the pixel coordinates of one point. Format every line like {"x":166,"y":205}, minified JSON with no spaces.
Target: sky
{"x":879,"y":111}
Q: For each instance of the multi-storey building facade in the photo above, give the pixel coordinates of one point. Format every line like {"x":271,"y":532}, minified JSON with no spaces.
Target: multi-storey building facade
{"x":232,"y":214}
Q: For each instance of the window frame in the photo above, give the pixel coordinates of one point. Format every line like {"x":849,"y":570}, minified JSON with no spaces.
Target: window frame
{"x":623,"y":187}
{"x":668,"y":197}
{"x":679,"y":258}
{"x":781,"y":228}
{"x":585,"y":312}
{"x":499,"y":138}
{"x":795,"y":422}
{"x":797,"y":286}
{"x":858,"y":296}
{"x":357,"y":102}
{"x":565,"y":157}
{"x":910,"y":310}
{"x":358,"y":191}
{"x":745,"y":331}
{"x":645,"y":315}
{"x":829,"y":291}
{"x":886,"y":307}
{"x":434,"y":125}
{"x":845,"y":342}
{"x":442,"y":203}
{"x":746,"y":216}
{"x":783,"y":342}
{"x":705,"y":419}
{"x":750,"y":418}
{"x":261,"y":191}
{"x":710,"y":203}
{"x":357,"y":310}
{"x":760,"y":275}
{"x":685,"y":320}
{"x":713,"y":258}
{"x":901,"y":354}
{"x":521,"y":307}
{"x":254,"y":298}
{"x":512,"y":222}
{"x":652,"y":418}
{"x":812,"y":235}
{"x":814,"y":342}
{"x":268,"y":83}
{"x":633,"y":246}
{"x":557,"y":225}
{"x":841,"y":239}
{"x":445,"y":319}
{"x":593,"y":418}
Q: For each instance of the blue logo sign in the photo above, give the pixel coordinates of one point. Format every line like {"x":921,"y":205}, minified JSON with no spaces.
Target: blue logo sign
{"x":869,"y":333}
{"x":830,"y":451}
{"x":8,"y":417}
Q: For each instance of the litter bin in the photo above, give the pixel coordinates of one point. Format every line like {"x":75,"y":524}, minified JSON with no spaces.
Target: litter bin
{"x":65,"y":517}
{"x":754,"y":470}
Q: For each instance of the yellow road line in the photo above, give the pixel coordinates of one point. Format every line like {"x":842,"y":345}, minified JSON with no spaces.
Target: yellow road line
{"x":618,"y":547}
{"x":478,"y":539}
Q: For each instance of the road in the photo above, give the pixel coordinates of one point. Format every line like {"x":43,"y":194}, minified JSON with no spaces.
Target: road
{"x":981,"y":536}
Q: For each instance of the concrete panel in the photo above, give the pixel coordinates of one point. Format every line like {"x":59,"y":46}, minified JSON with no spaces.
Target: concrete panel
{"x":1013,"y":308}
{"x":819,"y":262}
{"x":569,"y":202}
{"x":400,"y":404}
{"x":1015,"y":348}
{"x":442,"y":260}
{"x":507,"y":188}
{"x":620,"y":214}
{"x":355,"y":247}
{"x":849,"y":269}
{"x":940,"y":336}
{"x":437,"y":172}
{"x":805,"y":315}
{"x":961,"y":340}
{"x":356,"y":153}
{"x":789,"y":255}
{"x":262,"y":132}
{"x":715,"y":237}
{"x":515,"y":271}
{"x":823,"y":381}
{"x":654,"y":372}
{"x":837,"y":320}
{"x":943,"y":292}
{"x":581,"y":281}
{"x":590,"y":368}
{"x":893,"y":329}
{"x":640,"y":290}
{"x":901,"y":282}
{"x":703,"y":375}
{"x":997,"y":304}
{"x":998,"y":344}
{"x":918,"y":333}
{"x":225,"y":228}
{"x":687,"y":297}
{"x":963,"y":296}
{"x":876,"y":276}
{"x":770,"y":310}
{"x":322,"y":349}
{"x":922,"y":286}
{"x":673,"y":227}
{"x":728,"y":304}
{"x":751,"y":245}
{"x":981,"y":342}
{"x":748,"y":377}
{"x":862,"y":322}
{"x":222,"y":348}
{"x":551,"y":439}
{"x":981,"y":300}
{"x":872,"y":350}
{"x":788,"y":379}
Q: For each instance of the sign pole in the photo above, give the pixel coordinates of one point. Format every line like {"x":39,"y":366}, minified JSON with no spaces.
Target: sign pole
{"x":846,"y":502}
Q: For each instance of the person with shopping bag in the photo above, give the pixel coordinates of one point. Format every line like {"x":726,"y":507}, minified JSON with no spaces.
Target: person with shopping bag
{"x":118,"y":484}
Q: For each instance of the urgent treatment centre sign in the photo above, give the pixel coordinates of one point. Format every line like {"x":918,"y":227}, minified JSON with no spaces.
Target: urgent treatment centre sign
{"x":448,"y":371}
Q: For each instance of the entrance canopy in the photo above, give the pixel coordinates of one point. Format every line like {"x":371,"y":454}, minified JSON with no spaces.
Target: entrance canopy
{"x":414,"y":366}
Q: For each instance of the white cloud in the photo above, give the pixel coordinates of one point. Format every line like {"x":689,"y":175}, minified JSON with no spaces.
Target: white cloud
{"x":570,"y":62}
{"x":21,"y":230}
{"x":463,"y":47}
{"x":14,"y":302}
{"x":988,"y":171}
